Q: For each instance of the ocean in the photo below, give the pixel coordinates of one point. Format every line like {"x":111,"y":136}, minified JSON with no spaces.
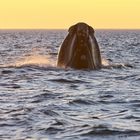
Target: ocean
{"x":39,"y":101}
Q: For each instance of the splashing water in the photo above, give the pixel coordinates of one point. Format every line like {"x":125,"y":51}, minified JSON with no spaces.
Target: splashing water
{"x":39,"y":60}
{"x":33,"y":60}
{"x":105,"y":62}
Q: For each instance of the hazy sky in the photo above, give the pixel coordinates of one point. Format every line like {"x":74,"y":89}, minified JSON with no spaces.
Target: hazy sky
{"x":64,"y":13}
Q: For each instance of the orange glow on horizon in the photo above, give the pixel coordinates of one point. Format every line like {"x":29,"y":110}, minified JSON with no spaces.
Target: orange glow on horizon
{"x":60,"y":14}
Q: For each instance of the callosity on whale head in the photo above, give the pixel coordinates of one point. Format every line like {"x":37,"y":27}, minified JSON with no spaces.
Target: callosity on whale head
{"x":80,"y":49}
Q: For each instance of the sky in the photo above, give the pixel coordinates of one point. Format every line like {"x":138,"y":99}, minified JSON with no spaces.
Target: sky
{"x":61,"y":14}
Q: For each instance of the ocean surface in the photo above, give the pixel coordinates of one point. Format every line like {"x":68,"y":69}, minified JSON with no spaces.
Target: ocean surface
{"x":39,"y":101}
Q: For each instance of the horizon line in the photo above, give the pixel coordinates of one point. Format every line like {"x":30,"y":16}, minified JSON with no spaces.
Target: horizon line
{"x":67,"y":28}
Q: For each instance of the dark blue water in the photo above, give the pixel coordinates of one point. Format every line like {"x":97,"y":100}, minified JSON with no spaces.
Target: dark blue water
{"x":39,"y":101}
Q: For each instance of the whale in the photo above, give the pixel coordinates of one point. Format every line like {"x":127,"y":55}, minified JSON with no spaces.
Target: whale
{"x":80,"y":49}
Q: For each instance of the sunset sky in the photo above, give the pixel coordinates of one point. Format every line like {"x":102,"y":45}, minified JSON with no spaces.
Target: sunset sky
{"x":57,"y":14}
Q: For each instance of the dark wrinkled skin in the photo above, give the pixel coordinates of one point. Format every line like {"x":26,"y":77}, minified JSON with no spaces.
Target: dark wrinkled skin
{"x":79,"y":55}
